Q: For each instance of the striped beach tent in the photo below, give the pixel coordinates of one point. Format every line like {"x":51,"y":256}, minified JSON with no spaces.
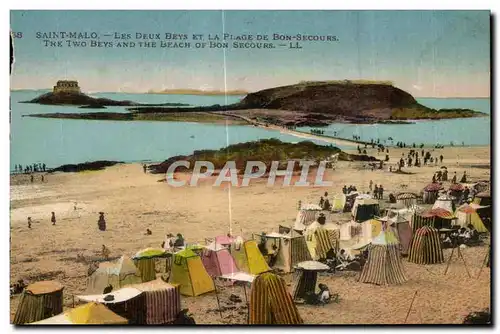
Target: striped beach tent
{"x":426,"y":247}
{"x":321,"y":238}
{"x":288,"y":250}
{"x":271,"y":303}
{"x":40,"y":300}
{"x":406,"y":199}
{"x":306,"y":215}
{"x":418,"y":220}
{"x":384,"y":265}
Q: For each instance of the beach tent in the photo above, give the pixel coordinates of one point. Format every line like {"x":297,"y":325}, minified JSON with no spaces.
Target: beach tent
{"x":306,"y":215}
{"x":187,"y":270}
{"x":271,"y":303}
{"x":365,"y":208}
{"x":306,"y":278}
{"x":288,"y":250}
{"x":248,"y":257}
{"x":431,"y":192}
{"x":145,"y":262}
{"x":221,"y":240}
{"x":88,"y":314}
{"x":442,"y":218}
{"x":338,"y":202}
{"x":445,"y":202}
{"x":456,"y":190}
{"x":217,"y":260}
{"x":426,"y":247}
{"x":349,"y":201}
{"x":406,"y":199}
{"x":384,"y":265}
{"x":151,"y":303}
{"x":40,"y":300}
{"x":467,"y":214}
{"x":321,"y":238}
{"x":403,"y":231}
{"x":116,"y":274}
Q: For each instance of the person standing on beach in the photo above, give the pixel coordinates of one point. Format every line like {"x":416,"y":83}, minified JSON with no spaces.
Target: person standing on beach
{"x":31,"y":178}
{"x":44,"y":167}
{"x":454,"y":179}
{"x":53,"y":218}
{"x":43,"y":179}
{"x":464,"y":178}
{"x":144,"y":168}
{"x":371,"y":185}
{"x":29,"y":222}
{"x":375,"y":192}
{"x":381,"y":192}
{"x":101,"y":223}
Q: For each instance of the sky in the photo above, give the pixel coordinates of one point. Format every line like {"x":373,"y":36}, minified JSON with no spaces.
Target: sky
{"x":426,"y":53}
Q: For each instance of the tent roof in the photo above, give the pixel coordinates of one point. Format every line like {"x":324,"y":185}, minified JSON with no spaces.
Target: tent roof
{"x":433,"y":187}
{"x":406,"y":195}
{"x":312,"y":266}
{"x":154,"y":285}
{"x":119,"y":296}
{"x":310,"y":206}
{"x":88,"y":314}
{"x":385,"y":238}
{"x":44,"y":287}
{"x":186,"y":253}
{"x":439,"y":212}
{"x":150,"y":253}
{"x":224,"y":239}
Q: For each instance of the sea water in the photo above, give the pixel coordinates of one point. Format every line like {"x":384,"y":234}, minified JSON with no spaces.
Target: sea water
{"x":63,"y":141}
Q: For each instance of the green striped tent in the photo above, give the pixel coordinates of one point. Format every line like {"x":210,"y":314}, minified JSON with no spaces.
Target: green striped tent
{"x":426,"y":247}
{"x":384,"y":265}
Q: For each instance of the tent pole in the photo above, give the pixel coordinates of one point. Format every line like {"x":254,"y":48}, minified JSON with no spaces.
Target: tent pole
{"x":484,"y":261}
{"x":217,"y":296}
{"x":449,"y":261}
{"x":465,"y":263}
{"x":246,"y":301}
{"x":411,"y":305}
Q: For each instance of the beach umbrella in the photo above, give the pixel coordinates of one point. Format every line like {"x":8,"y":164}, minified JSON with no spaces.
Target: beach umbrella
{"x":433,"y":187}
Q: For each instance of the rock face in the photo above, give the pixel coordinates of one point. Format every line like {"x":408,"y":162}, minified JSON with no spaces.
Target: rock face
{"x":86,"y":166}
{"x":77,"y":99}
{"x":333,"y":98}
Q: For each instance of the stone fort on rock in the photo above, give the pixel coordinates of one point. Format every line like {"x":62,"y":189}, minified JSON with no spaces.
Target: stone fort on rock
{"x":66,"y":86}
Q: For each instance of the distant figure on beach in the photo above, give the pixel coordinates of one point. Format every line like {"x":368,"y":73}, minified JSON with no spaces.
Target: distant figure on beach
{"x":179,"y":242}
{"x":464,"y":178}
{"x":105,"y":252}
{"x":444,"y":177}
{"x":43,"y":167}
{"x":101,"y":223}
{"x":31,"y":178}
{"x":74,"y":206}
{"x":321,"y":201}
{"x":53,"y":218}
{"x":299,"y":205}
{"x":371,"y":185}
{"x":321,"y":219}
{"x":326,"y":205}
{"x":326,"y":194}
{"x":29,"y":222}
{"x":148,"y":231}
{"x":454,"y":179}
{"x":43,"y":179}
{"x":144,"y":168}
{"x":441,"y":158}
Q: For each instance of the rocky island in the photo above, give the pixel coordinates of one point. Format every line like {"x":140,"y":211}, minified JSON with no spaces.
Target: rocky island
{"x":317,"y":103}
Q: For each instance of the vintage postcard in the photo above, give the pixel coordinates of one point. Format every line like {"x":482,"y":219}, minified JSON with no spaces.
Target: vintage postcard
{"x":250,"y":167}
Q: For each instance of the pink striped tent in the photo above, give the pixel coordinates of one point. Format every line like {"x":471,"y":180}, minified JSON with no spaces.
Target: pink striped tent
{"x":217,"y":260}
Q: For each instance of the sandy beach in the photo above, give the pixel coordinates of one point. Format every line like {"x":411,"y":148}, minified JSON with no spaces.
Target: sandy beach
{"x":134,"y":201}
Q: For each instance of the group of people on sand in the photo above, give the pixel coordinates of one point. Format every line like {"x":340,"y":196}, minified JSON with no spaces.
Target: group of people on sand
{"x":378,"y":191}
{"x":324,"y":203}
{"x":36,"y":167}
{"x":174,"y":242}
{"x":347,"y":190}
{"x":468,"y":236}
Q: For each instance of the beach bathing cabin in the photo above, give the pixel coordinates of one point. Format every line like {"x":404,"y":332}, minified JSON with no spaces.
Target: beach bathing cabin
{"x":88,"y":314}
{"x":445,"y":202}
{"x":468,"y":214}
{"x":151,"y":303}
{"x":431,"y":193}
{"x":384,"y":265}
{"x":306,"y":278}
{"x":365,"y":208}
{"x":402,"y":227}
{"x":271,"y":303}
{"x":287,"y":250}
{"x":188,"y":272}
{"x":322,"y":238}
{"x":426,"y":247}
{"x":407,"y":200}
{"x":145,"y":261}
{"x":248,"y":257}
{"x":307,"y":214}
{"x":217,"y":260}
{"x":117,"y":274}
{"x":39,"y":301}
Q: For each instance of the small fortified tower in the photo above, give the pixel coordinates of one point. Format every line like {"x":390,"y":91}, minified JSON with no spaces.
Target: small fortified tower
{"x":66,"y":86}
